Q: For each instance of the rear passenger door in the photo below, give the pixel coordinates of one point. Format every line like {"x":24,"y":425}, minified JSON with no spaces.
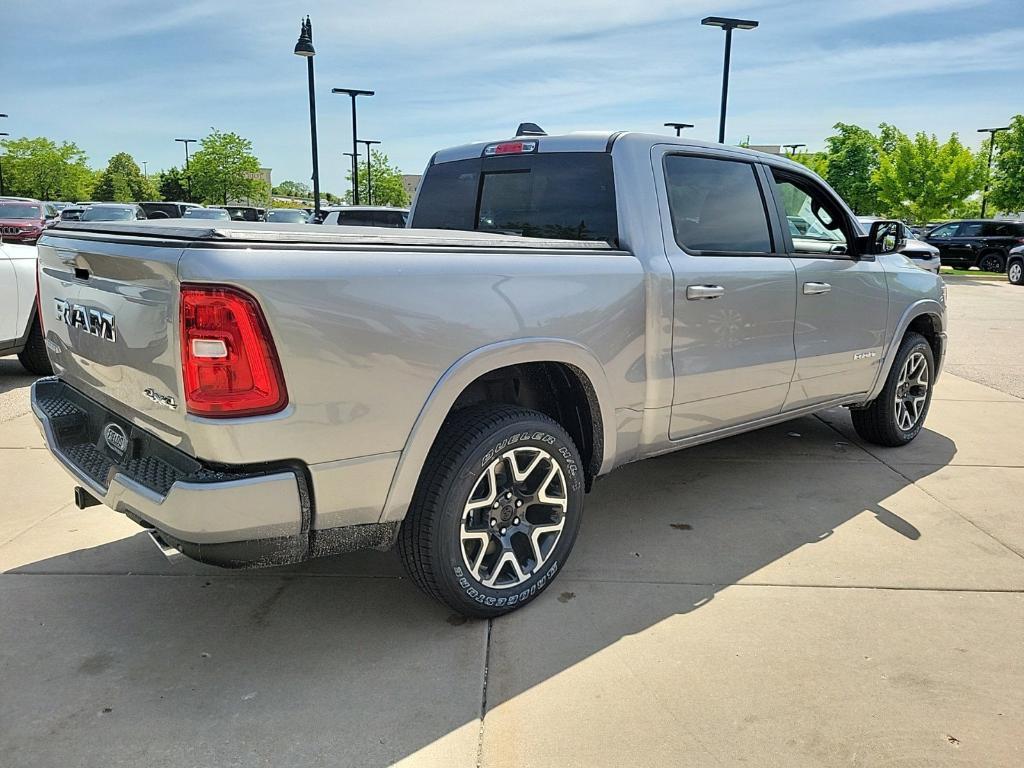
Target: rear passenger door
{"x":734,"y":291}
{"x":841,"y":300}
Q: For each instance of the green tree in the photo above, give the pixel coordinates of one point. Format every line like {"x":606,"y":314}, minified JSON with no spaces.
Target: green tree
{"x":224,"y":168}
{"x":853,"y":156}
{"x":816,"y":161}
{"x":41,"y":168}
{"x":385,"y":184}
{"x":123,"y":182}
{"x":293,"y":189}
{"x":173,"y":185}
{"x":921,"y":180}
{"x":1007,"y":184}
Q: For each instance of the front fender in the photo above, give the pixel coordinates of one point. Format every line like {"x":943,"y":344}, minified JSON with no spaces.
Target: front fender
{"x":919,"y":308}
{"x":464,"y":372}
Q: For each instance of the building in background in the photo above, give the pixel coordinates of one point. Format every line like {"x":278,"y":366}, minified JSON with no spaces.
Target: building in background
{"x":410,"y":183}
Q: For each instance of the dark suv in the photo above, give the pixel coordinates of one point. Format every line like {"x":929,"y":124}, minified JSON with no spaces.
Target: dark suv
{"x":982,"y":243}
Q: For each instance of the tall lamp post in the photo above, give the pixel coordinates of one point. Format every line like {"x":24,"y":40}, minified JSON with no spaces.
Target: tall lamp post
{"x":354,"y":160}
{"x":988,"y":174}
{"x":304,"y":48}
{"x":353,"y":93}
{"x":188,"y":178}
{"x":793,"y":148}
{"x":369,"y":174}
{"x":679,"y":126}
{"x":728,"y":25}
{"x":1,"y":164}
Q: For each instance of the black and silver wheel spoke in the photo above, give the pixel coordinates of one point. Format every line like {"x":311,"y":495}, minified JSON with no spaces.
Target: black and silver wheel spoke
{"x":911,"y":391}
{"x":514,"y":517}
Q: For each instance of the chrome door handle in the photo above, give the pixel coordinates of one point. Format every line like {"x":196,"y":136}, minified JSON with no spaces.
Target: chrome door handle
{"x":698,"y":292}
{"x":813,"y":289}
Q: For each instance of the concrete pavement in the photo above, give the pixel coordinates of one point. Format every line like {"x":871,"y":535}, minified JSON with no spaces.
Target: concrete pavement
{"x":790,"y":597}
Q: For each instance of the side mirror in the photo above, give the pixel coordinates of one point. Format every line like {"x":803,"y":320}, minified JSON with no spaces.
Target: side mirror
{"x":885,"y":236}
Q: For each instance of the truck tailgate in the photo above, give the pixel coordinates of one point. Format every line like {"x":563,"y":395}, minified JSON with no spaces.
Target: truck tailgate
{"x":109,"y":310}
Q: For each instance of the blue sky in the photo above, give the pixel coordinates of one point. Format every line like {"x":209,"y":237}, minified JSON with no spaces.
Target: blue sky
{"x":118,"y":76}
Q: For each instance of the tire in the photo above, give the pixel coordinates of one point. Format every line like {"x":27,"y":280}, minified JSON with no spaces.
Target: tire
{"x":992,"y":261}
{"x":883,"y":422}
{"x":1015,"y":272}
{"x":455,"y":545}
{"x":33,"y":356}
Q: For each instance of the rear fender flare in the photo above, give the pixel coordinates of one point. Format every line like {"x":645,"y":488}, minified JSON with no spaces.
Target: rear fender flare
{"x":464,"y":372}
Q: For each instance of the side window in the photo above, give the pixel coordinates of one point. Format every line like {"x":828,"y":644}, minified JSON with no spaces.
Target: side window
{"x":716,"y":205}
{"x":356,"y":218}
{"x":815,"y":222}
{"x":998,"y":229}
{"x":331,"y":218}
{"x":970,"y":229}
{"x":946,"y":230}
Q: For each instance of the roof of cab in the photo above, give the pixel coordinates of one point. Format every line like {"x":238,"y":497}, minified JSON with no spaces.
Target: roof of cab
{"x":602,"y":141}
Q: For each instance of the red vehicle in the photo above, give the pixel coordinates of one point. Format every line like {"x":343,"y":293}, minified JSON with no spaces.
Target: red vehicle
{"x":23,"y":220}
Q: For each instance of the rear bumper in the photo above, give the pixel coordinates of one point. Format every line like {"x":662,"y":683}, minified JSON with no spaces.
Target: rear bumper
{"x":239,"y":516}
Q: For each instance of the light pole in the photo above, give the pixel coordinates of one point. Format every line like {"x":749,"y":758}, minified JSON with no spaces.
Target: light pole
{"x":679,"y":126}
{"x":188,"y":178}
{"x":728,"y":25}
{"x":353,"y":159}
{"x":988,"y":173}
{"x":304,"y":48}
{"x":353,"y":93}
{"x":1,"y":165}
{"x":145,"y":169}
{"x":369,"y":174}
{"x":793,"y":148}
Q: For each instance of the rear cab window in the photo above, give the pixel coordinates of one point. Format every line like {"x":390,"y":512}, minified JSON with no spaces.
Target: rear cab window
{"x":566,"y":195}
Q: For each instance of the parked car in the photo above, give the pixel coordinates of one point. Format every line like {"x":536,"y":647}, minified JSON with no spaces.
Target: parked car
{"x":921,"y":253}
{"x":366,"y":216}
{"x":288,"y":216}
{"x":22,"y":220}
{"x":166,"y":210}
{"x":199,"y":212}
{"x":20,"y":332}
{"x":457,"y":392}
{"x":246,"y":213}
{"x":1015,"y":265}
{"x":72,"y":213}
{"x":981,"y":243}
{"x":113,"y":212}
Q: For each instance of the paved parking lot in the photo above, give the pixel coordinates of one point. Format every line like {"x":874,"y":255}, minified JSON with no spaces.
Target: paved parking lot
{"x":789,"y":597}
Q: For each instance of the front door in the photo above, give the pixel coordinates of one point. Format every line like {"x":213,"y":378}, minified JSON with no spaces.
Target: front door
{"x":734,"y":292}
{"x":841,"y":301}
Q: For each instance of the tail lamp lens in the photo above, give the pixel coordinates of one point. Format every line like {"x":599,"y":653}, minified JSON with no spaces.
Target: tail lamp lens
{"x":229,"y":364}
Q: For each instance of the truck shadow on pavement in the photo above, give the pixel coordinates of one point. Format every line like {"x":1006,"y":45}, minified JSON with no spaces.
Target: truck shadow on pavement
{"x":343,"y":660}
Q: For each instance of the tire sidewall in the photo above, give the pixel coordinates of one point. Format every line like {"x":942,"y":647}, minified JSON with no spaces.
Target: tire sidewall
{"x":998,"y":257}
{"x":1020,"y":266}
{"x":918,"y":344}
{"x":453,"y":572}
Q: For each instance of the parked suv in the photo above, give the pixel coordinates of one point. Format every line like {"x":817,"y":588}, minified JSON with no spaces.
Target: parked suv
{"x":981,"y":243}
{"x":1015,"y":266}
{"x":23,"y":220}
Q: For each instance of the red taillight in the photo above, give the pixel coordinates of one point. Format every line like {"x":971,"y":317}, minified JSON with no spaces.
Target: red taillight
{"x":228,"y":361}
{"x":510,"y":148}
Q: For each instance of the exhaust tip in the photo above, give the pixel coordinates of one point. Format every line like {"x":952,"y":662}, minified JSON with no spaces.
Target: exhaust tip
{"x":84,"y":499}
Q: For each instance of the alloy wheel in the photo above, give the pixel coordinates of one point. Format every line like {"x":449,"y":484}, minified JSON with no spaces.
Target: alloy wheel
{"x":1016,"y":270}
{"x":514,"y":517}
{"x":912,"y":391}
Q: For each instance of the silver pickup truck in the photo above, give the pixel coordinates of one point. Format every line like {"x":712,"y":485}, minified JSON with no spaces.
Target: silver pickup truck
{"x":260,"y":394}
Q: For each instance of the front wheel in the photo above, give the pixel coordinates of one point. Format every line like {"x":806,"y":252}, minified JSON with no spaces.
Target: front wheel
{"x":496,"y":511}
{"x":991,"y":262}
{"x":1015,"y":272}
{"x":897,"y":415}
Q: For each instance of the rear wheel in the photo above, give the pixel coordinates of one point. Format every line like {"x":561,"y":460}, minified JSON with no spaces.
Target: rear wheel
{"x":496,"y":511}
{"x":1015,"y":272}
{"x":33,"y":356}
{"x":897,"y":415}
{"x":991,"y":262}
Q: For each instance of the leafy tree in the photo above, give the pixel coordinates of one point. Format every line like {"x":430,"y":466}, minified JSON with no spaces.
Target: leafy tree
{"x":1007,"y":193}
{"x":41,"y":168}
{"x":173,"y":185}
{"x":293,"y":189}
{"x":853,"y":156}
{"x":816,"y":161}
{"x":224,"y":168}
{"x":921,"y":180}
{"x":386,"y":187}
{"x":123,"y":182}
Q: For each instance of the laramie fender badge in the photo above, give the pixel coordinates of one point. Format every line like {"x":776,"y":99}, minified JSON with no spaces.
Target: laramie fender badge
{"x":116,"y":438}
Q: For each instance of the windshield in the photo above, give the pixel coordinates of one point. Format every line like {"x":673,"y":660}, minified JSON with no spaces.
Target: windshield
{"x":20,"y":211}
{"x":288,"y":216}
{"x":108,"y":213}
{"x":206,"y":213}
{"x":560,"y":195}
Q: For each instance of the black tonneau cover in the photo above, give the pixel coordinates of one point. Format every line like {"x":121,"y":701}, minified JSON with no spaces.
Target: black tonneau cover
{"x":206,"y":230}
